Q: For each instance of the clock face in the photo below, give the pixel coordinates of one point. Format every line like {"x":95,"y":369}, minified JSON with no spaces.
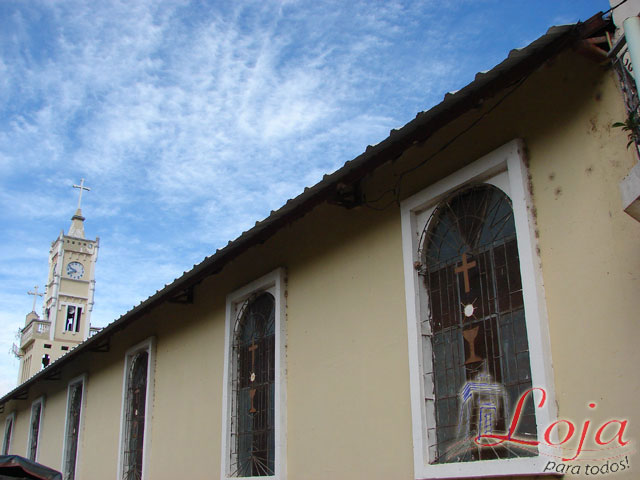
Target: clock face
{"x":75,"y":270}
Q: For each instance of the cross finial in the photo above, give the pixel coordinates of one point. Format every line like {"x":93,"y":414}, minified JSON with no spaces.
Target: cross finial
{"x":81,"y":187}
{"x":35,"y":297}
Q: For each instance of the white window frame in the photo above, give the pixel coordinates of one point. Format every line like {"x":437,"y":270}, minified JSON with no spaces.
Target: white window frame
{"x":39,"y":400}
{"x":11,"y":417}
{"x":83,"y":380}
{"x":76,"y":319}
{"x":274,"y":283}
{"x":505,"y":168}
{"x":148,"y":345}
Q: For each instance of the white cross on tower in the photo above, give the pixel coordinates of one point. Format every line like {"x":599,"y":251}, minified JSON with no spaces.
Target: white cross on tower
{"x":35,"y":296}
{"x":81,"y":187}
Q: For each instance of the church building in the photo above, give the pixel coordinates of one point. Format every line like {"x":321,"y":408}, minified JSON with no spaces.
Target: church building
{"x":458,"y":301}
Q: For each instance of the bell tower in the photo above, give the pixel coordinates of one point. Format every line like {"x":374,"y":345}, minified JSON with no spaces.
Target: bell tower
{"x":68,"y":299}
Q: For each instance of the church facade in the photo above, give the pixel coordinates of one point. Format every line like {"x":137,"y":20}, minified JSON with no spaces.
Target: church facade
{"x":458,"y":301}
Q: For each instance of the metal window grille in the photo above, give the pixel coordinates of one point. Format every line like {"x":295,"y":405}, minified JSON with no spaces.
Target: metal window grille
{"x":135,"y":417}
{"x":253,"y":389}
{"x":474,"y":333}
{"x":72,"y":433}
{"x":36,"y":410}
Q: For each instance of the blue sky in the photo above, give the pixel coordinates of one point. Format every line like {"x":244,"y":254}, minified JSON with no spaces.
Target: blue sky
{"x":191,"y":120}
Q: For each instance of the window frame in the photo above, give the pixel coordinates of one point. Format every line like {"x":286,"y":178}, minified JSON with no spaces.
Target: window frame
{"x":82,"y":379}
{"x":77,"y":318}
{"x":6,"y":448}
{"x":39,"y":400}
{"x":274,"y":283}
{"x":504,"y":168}
{"x":148,"y":345}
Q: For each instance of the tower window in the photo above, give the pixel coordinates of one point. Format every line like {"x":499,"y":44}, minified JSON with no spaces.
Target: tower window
{"x":74,"y":314}
{"x":26,"y":367}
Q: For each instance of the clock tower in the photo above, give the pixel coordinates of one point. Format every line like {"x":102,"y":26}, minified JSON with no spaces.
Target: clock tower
{"x":68,"y":299}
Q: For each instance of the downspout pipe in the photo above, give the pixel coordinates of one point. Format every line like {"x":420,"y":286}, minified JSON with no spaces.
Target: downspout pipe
{"x":631,"y":28}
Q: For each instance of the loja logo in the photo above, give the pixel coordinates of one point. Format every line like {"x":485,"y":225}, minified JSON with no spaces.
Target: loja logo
{"x":610,"y":432}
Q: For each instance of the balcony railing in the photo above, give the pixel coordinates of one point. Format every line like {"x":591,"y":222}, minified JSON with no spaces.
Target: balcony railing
{"x":35,"y":329}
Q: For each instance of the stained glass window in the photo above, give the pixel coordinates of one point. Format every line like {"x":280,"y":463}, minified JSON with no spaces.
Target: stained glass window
{"x":252,"y":423}
{"x":135,"y":416}
{"x":74,"y":408}
{"x":8,"y":431}
{"x":475,"y":328}
{"x":34,"y":429}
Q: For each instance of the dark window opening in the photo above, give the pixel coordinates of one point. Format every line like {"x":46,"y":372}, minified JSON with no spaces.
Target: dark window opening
{"x":72,"y":323}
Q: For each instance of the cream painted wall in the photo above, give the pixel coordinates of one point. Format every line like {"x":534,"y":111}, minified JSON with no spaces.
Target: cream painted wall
{"x":51,"y":426}
{"x":348,"y":413}
{"x":188,"y":401}
{"x":348,"y":398}
{"x":591,"y":264}
{"x":74,"y":288}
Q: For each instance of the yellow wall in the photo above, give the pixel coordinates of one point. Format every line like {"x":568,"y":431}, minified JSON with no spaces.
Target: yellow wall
{"x":348,"y":411}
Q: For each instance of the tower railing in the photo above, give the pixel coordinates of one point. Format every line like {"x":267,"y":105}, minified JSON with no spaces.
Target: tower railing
{"x":35,"y":329}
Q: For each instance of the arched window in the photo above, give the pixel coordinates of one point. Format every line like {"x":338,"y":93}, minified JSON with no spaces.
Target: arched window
{"x":474,"y":333}
{"x":74,"y":411}
{"x":8,"y":432}
{"x":135,"y":405}
{"x":34,"y":428}
{"x":252,"y":442}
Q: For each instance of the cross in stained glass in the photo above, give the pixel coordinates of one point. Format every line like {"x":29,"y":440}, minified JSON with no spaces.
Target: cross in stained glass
{"x":464,"y":269}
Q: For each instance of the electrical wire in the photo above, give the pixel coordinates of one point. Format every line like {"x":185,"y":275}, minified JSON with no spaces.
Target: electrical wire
{"x":396,"y":190}
{"x":616,"y":6}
